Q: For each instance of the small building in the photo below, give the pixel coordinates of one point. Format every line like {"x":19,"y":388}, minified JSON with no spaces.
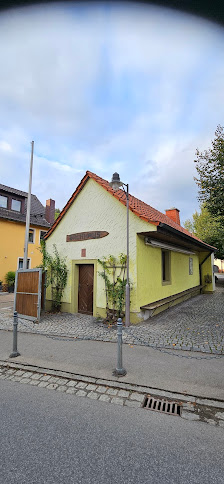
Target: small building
{"x":167,"y":263}
{"x":13,"y":205}
{"x":220,"y":265}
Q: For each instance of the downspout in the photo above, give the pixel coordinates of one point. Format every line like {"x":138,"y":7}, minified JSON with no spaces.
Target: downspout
{"x":207,"y":256}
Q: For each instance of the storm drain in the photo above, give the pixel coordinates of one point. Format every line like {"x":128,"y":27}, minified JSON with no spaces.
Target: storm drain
{"x":161,"y":405}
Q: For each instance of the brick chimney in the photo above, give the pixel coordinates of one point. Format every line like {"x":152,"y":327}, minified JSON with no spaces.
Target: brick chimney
{"x":174,"y":214}
{"x":50,"y":211}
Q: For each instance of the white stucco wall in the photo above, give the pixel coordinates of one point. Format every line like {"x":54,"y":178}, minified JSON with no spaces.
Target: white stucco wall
{"x":96,"y":209}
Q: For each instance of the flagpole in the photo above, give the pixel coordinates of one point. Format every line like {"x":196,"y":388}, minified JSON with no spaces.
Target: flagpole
{"x":28,"y":211}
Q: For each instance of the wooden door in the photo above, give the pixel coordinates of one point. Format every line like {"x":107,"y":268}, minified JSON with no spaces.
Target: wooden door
{"x":85,"y":300}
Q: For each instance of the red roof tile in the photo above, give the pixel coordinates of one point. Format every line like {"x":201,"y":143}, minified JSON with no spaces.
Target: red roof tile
{"x":139,"y":208}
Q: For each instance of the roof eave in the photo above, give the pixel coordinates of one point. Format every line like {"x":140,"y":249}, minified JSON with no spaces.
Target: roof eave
{"x":67,"y":206}
{"x":186,"y":237}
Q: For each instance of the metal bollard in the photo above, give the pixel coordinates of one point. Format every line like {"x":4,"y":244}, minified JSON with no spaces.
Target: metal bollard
{"x":15,"y":324}
{"x":119,"y":371}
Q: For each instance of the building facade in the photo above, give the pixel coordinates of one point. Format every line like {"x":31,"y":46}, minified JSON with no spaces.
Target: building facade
{"x":165,"y":259}
{"x":13,"y":204}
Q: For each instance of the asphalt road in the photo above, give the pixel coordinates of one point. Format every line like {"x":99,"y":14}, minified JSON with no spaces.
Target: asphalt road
{"x":53,"y":438}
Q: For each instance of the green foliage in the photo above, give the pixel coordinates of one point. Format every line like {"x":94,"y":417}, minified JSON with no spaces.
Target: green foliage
{"x":114,"y":275}
{"x":57,"y":274}
{"x":10,"y":278}
{"x":207,"y":228}
{"x":208,"y":224}
{"x":210,"y":168}
{"x":56,"y":213}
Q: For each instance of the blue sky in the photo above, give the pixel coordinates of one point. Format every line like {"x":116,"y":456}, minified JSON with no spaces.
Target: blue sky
{"x":103,"y":87}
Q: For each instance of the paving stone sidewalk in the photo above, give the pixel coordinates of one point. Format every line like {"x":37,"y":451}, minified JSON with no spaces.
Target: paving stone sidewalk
{"x":195,"y":325}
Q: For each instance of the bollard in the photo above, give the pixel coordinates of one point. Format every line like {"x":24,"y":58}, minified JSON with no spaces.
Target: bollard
{"x":119,"y":371}
{"x":15,"y":324}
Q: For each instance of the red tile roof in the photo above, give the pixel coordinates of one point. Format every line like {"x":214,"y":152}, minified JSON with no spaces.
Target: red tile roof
{"x":139,"y":208}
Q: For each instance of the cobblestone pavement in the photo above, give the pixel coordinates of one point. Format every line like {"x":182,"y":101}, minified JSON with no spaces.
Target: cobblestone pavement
{"x":81,"y":388}
{"x":123,"y":394}
{"x":195,"y":325}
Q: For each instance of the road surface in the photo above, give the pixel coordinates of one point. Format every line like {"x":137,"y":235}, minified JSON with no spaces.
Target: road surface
{"x":53,"y":438}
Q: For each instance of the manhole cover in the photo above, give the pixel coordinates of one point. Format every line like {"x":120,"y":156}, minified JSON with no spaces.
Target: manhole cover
{"x":161,"y":405}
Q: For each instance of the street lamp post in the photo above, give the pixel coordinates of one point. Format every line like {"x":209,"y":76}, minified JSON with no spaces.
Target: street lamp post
{"x":116,"y":183}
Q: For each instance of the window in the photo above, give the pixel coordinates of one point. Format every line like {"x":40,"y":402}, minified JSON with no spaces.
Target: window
{"x":166,"y":278}
{"x":16,"y":205}
{"x":42,"y":234}
{"x":3,"y":201}
{"x":31,"y":236}
{"x":190,"y":266}
{"x":20,"y":263}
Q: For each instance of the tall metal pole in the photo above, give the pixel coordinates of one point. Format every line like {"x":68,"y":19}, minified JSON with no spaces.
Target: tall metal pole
{"x":127,"y":300}
{"x":28,"y":211}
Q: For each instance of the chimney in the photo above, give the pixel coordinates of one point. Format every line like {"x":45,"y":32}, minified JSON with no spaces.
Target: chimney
{"x":50,"y":211}
{"x":173,"y":214}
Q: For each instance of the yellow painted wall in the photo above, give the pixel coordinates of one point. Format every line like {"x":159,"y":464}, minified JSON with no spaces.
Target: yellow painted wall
{"x":96,"y":209}
{"x":150,"y":287}
{"x":12,"y":237}
{"x":206,"y":268}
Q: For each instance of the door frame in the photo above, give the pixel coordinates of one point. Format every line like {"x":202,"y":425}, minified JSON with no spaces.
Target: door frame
{"x":75,"y":283}
{"x":85,"y":302}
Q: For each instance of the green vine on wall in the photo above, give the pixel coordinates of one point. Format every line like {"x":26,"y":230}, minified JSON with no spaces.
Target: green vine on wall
{"x":114,"y":275}
{"x":56,"y":274}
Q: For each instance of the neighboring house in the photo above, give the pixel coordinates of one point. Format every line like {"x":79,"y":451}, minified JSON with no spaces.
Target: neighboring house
{"x":167,"y":263}
{"x":220,"y":264}
{"x":13,"y":205}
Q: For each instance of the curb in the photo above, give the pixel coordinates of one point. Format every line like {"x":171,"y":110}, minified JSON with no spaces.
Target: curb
{"x":192,"y":408}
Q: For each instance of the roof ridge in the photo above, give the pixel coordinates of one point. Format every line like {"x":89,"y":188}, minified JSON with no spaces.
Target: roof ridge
{"x":138,"y":207}
{"x":93,"y":175}
{"x":2,"y":187}
{"x":167,"y":219}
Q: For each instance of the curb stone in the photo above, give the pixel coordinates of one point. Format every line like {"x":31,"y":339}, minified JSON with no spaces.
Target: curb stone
{"x":123,"y":394}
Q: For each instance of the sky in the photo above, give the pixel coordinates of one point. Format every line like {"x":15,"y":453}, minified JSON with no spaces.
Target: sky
{"x":108,"y":87}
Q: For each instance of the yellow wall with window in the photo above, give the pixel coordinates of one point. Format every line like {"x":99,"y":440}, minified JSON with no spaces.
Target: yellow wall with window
{"x":150,"y":285}
{"x":95,"y":209}
{"x":12,"y":237}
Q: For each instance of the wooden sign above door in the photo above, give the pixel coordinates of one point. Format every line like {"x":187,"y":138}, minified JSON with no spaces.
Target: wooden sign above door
{"x":86,"y":236}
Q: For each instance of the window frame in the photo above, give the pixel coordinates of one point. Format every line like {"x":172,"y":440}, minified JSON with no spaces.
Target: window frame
{"x":33,"y":232}
{"x":7,"y":200}
{"x":45,"y":231}
{"x":28,"y":262}
{"x":191,"y":266}
{"x":167,"y":261}
{"x":16,"y":200}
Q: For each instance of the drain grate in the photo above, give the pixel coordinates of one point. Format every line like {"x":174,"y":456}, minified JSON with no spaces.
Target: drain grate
{"x":161,"y":405}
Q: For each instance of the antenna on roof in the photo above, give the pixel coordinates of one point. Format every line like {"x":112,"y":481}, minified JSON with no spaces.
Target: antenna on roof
{"x":28,"y":211}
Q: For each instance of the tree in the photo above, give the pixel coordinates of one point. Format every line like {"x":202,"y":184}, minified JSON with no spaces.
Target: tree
{"x":210,"y":168}
{"x":56,"y":213}
{"x":207,"y":228}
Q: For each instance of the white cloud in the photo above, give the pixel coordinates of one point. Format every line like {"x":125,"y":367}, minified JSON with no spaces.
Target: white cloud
{"x":108,"y":88}
{"x":4,"y":146}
